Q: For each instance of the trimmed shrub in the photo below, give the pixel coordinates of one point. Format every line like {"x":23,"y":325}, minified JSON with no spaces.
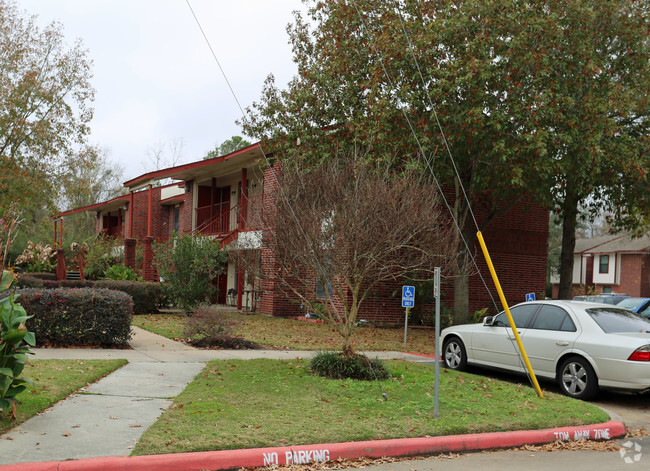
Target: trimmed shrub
{"x":145,"y":295}
{"x":29,"y":281}
{"x":83,"y":317}
{"x":67,"y":284}
{"x":335,"y":365}
{"x":42,"y":275}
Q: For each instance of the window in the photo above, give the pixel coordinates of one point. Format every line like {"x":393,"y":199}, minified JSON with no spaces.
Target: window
{"x":613,"y":320}
{"x":323,"y":283}
{"x":176,"y":219}
{"x":603,"y":264}
{"x":553,"y":318}
{"x":520,"y":314}
{"x":321,"y":286}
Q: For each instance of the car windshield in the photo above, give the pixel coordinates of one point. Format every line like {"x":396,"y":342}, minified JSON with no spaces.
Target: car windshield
{"x":614,"y":321}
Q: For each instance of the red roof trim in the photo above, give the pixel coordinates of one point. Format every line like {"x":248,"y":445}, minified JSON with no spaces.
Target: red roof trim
{"x":165,"y":173}
{"x":90,"y":207}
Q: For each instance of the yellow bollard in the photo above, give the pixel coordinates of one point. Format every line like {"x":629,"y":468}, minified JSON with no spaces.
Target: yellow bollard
{"x":507,"y":309}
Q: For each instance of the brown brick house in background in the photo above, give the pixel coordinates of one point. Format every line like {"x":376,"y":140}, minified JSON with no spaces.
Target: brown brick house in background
{"x":224,"y":199}
{"x":611,"y":263}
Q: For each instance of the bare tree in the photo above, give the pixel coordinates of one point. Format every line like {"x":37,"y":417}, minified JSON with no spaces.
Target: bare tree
{"x":342,"y":230}
{"x":163,"y":155}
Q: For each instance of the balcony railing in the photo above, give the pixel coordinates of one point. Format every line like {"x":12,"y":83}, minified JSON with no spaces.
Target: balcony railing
{"x":220,"y":219}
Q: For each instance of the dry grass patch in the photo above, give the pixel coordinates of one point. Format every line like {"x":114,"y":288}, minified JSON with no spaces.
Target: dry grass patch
{"x":279,"y":332}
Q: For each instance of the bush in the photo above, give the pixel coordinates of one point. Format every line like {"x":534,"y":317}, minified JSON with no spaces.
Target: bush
{"x":188,"y":265}
{"x":146,"y":296}
{"x":29,"y":281}
{"x":37,"y":258}
{"x":15,"y":342}
{"x":102,"y":253}
{"x":207,"y":322}
{"x":121,"y":272}
{"x":41,"y":275}
{"x":336,"y":365}
{"x":83,"y":317}
{"x":67,"y":284}
{"x":208,"y":328}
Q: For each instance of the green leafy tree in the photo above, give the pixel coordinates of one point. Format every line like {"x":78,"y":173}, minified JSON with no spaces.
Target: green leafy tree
{"x":188,"y":266}
{"x":44,"y":96}
{"x":548,"y":101}
{"x":227,"y":146}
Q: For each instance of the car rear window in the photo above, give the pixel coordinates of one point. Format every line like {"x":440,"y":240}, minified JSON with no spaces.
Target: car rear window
{"x":614,"y":321}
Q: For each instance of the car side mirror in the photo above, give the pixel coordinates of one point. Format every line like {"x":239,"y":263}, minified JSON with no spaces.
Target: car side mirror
{"x":488,"y":320}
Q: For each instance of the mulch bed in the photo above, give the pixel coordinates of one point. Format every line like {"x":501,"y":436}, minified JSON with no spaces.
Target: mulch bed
{"x":226,"y":343}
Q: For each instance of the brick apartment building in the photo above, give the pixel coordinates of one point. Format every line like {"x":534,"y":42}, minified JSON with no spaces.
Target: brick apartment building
{"x":611,"y":263}
{"x":224,"y":199}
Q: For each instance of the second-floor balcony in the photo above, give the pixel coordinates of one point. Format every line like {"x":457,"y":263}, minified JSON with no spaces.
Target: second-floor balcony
{"x":222,"y":218}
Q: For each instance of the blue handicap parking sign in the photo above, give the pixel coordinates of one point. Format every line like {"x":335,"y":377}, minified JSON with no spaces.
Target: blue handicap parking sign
{"x":530,"y":297}
{"x":408,"y":296}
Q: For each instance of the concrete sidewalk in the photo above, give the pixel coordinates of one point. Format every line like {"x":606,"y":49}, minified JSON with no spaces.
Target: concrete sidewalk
{"x":108,"y":417}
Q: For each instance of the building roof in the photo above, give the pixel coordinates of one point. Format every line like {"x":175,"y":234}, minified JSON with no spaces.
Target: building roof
{"x":622,"y":243}
{"x":193,"y":170}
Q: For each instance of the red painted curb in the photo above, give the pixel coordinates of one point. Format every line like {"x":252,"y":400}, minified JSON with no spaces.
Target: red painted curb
{"x":304,"y":454}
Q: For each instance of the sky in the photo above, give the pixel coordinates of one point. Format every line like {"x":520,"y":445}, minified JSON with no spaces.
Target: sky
{"x":157,"y":84}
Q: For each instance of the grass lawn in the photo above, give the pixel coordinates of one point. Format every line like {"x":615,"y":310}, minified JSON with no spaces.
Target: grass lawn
{"x":54,"y":380}
{"x":247,"y":404}
{"x":297,"y":335}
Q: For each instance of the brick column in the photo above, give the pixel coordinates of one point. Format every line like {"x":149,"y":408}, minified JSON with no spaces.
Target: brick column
{"x":60,"y":265}
{"x":148,"y":270}
{"x":129,"y":252}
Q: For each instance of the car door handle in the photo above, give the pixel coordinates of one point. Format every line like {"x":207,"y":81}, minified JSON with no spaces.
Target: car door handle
{"x":562,"y":344}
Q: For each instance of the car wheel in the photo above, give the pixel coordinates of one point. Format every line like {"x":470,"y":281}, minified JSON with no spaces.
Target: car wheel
{"x":577,"y":378}
{"x":453,"y":353}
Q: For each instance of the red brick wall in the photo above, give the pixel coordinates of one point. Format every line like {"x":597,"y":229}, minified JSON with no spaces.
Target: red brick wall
{"x":645,"y":277}
{"x":185,"y":222}
{"x":517,"y":242}
{"x":630,"y":276}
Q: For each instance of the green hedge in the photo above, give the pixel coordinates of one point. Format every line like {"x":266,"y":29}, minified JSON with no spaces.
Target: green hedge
{"x":146,"y":295}
{"x":78,"y":317}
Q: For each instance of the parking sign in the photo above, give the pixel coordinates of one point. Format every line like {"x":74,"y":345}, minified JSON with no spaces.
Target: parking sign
{"x":408,"y":296}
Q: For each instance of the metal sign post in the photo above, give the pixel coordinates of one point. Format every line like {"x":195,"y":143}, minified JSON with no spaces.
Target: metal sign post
{"x":408,"y":301}
{"x":436,"y":294}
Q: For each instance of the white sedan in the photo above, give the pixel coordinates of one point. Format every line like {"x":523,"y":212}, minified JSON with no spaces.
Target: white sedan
{"x":583,"y":346}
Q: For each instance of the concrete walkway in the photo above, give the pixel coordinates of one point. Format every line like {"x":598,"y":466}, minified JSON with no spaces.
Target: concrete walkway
{"x":108,"y":417}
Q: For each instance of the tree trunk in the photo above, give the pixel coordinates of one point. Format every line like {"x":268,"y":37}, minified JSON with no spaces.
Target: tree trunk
{"x":461,"y":279}
{"x":461,"y":297}
{"x":569,"y":219}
